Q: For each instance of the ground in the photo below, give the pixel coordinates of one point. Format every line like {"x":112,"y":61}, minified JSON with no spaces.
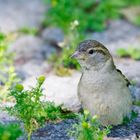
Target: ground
{"x":32,"y":62}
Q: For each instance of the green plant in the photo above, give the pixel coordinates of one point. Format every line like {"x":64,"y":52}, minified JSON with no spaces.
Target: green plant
{"x":130,"y":52}
{"x":88,"y":128}
{"x":134,"y":53}
{"x":133,"y":82}
{"x":130,"y":2}
{"x":10,"y":131}
{"x":122,"y":52}
{"x":71,"y":41}
{"x":132,"y":116}
{"x":55,"y":113}
{"x":28,"y":107}
{"x":137,"y":21}
{"x":28,"y":30}
{"x":7,"y":71}
{"x":64,"y":61}
{"x":137,"y":102}
{"x":31,"y":110}
{"x":91,"y":14}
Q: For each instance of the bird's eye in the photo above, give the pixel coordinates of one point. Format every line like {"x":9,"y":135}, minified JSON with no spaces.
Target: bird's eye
{"x":91,"y":51}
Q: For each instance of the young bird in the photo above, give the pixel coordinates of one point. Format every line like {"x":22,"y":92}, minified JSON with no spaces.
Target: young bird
{"x":102,"y":89}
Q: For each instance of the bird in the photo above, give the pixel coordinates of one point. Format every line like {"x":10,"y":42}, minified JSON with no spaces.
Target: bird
{"x":102,"y":89}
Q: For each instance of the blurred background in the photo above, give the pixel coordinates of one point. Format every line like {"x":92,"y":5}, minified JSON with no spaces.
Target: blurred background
{"x":38,"y":36}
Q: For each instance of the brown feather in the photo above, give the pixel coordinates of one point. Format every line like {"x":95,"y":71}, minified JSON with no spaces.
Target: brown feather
{"x":127,"y":81}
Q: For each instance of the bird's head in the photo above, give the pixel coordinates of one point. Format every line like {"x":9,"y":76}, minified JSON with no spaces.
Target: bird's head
{"x":91,"y":54}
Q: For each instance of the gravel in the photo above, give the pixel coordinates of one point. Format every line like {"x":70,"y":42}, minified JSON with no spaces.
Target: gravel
{"x":54,"y":131}
{"x":59,"y":131}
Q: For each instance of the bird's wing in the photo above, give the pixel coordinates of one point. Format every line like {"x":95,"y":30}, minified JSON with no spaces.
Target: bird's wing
{"x":127,"y":81}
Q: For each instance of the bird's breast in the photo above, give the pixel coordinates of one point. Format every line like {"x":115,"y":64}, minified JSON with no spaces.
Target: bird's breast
{"x":95,"y":82}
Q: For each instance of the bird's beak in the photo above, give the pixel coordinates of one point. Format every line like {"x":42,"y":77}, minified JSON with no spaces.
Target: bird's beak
{"x":75,"y":55}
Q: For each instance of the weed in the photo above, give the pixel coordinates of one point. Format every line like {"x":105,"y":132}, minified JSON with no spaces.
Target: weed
{"x":137,"y":103}
{"x":127,"y":119}
{"x":28,"y":30}
{"x":130,"y":52}
{"x":92,"y":15}
{"x":64,"y":61}
{"x":7,"y":71}
{"x":56,"y":113}
{"x":31,"y":110}
{"x":28,"y":107}
{"x":88,"y":128}
{"x":133,"y":82}
{"x":72,"y":39}
{"x":10,"y":131}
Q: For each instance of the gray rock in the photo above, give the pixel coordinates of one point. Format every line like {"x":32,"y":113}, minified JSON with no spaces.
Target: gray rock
{"x":61,"y":90}
{"x":48,"y":50}
{"x":29,"y":47}
{"x":115,"y":32}
{"x":17,"y":14}
{"x":53,"y":35}
{"x":32,"y":69}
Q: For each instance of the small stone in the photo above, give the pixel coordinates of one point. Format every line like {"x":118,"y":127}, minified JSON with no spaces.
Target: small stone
{"x":27,"y":48}
{"x":53,"y":35}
